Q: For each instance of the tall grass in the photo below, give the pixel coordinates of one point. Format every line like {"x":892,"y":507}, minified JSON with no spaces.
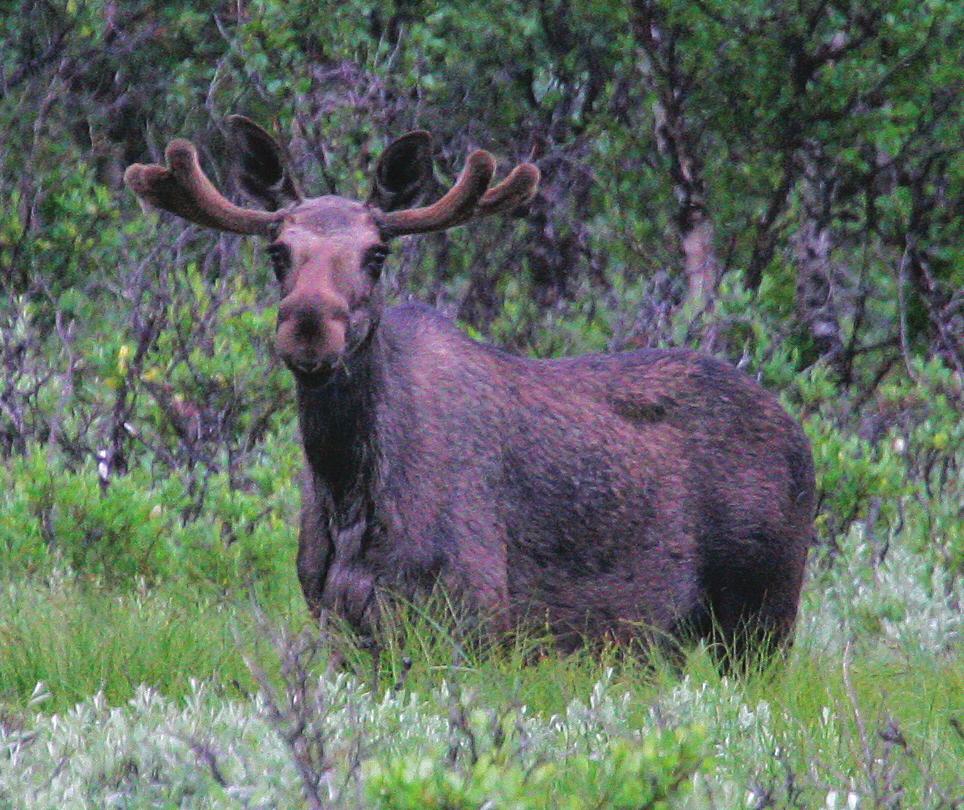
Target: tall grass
{"x":435,"y":721}
{"x":79,"y":638}
{"x":182,"y":695}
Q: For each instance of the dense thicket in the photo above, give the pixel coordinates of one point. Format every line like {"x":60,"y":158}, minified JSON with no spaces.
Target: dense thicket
{"x":775,"y":182}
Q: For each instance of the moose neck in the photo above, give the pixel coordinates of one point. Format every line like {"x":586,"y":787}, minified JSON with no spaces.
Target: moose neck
{"x":337,"y":422}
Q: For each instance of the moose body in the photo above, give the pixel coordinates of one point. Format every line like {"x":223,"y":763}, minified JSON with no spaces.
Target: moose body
{"x":604,"y":495}
{"x":649,"y":493}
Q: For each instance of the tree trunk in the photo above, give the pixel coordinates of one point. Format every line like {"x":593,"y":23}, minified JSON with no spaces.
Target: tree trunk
{"x":678,"y":143}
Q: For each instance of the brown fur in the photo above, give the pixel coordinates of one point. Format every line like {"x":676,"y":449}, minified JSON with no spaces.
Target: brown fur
{"x":607,"y":495}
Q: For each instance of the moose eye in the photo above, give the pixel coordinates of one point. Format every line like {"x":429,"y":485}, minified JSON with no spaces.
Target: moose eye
{"x":375,"y":259}
{"x":280,"y":256}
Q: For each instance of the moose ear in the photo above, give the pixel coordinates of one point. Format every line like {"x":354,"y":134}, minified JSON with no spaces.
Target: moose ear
{"x":260,"y":165}
{"x":404,"y":172}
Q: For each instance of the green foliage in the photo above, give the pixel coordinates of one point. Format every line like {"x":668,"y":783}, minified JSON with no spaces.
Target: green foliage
{"x":559,"y":732}
{"x":78,"y":638}
{"x":136,"y":528}
{"x":643,"y":773}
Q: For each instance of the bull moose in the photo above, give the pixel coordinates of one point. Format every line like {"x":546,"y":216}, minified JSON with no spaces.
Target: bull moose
{"x":603,"y":496}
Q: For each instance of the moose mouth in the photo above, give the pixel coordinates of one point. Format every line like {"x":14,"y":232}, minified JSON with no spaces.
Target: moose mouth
{"x":312,"y":375}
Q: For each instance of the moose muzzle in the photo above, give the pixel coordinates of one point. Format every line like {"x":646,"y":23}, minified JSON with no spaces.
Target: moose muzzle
{"x":312,"y":333}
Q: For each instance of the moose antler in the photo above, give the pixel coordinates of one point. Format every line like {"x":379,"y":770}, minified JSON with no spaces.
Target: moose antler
{"x":467,"y":199}
{"x":182,"y":188}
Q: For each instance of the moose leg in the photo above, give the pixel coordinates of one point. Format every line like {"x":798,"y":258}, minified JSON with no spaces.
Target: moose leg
{"x":480,"y":576}
{"x":312,"y":562}
{"x":754,"y":606}
{"x":314,"y":549}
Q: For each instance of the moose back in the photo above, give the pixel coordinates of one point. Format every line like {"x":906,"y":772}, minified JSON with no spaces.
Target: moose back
{"x":649,"y":493}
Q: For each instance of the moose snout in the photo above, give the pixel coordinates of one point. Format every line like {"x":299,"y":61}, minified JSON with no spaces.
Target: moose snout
{"x":312,"y":332}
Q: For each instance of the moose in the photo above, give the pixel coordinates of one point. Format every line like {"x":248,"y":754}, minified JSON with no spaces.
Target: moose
{"x":627,"y":496}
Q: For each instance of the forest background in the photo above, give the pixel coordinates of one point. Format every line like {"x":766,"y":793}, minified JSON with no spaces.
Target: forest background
{"x":775,"y":182}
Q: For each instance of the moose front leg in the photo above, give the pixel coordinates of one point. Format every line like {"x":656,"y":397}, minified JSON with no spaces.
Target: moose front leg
{"x":314,"y":549}
{"x":481,"y":574}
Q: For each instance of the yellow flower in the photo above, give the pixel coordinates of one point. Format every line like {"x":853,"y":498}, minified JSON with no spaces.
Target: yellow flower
{"x":123,"y":356}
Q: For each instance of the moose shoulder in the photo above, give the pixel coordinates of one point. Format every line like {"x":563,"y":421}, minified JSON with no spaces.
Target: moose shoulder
{"x":604,"y":496}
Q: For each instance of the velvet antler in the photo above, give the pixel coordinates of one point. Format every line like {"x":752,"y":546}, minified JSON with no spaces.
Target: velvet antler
{"x":467,"y":199}
{"x":518,"y":188}
{"x":182,"y":188}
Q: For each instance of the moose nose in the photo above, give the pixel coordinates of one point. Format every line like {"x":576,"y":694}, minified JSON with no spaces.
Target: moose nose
{"x":308,"y":314}
{"x":303,"y":313}
{"x":304,"y":317}
{"x":311,"y":331}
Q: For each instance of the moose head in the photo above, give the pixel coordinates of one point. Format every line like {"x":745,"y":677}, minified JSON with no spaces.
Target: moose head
{"x":327,"y":252}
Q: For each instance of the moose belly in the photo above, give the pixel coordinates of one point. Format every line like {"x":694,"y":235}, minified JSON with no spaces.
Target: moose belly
{"x":593,"y":548}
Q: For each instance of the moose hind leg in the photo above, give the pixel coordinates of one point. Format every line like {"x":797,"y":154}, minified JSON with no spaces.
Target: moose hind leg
{"x":753,"y":606}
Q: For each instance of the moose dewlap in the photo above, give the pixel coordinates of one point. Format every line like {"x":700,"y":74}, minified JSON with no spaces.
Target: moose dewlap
{"x":649,"y":493}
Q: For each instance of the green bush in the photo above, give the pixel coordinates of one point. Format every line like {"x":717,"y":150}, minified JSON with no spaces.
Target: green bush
{"x":652,"y":772}
{"x":139,"y":528}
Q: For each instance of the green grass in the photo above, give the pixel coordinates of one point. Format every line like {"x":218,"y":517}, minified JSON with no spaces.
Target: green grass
{"x":78,"y":638}
{"x":845,"y":713}
{"x":181,"y":695}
